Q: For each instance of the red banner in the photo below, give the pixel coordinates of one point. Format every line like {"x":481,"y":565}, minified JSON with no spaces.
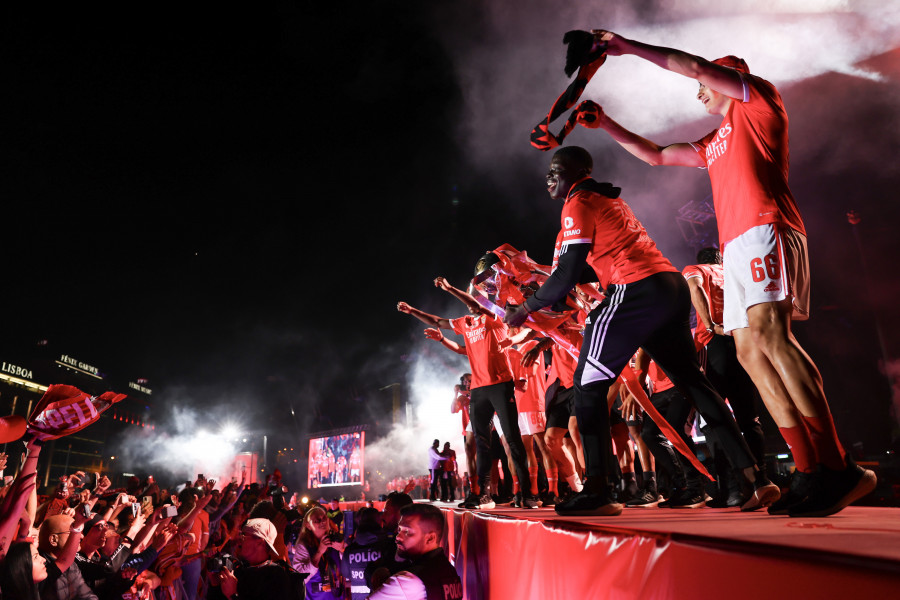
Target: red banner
{"x":64,"y":409}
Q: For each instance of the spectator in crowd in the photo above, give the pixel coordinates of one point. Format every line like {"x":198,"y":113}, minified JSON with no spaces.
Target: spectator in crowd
{"x":264,"y":577}
{"x":429,"y":574}
{"x":317,"y":552}
{"x":369,"y":544}
{"x":21,"y":571}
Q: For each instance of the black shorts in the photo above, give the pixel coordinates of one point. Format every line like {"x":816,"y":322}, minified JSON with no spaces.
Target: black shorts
{"x":561,"y":409}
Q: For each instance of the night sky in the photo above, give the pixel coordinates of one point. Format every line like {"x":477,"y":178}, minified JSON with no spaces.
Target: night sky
{"x":229,"y":201}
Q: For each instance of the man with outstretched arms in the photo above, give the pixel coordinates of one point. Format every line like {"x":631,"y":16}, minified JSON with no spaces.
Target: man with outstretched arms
{"x":492,"y":388}
{"x":766,"y":261}
{"x":647,"y":304}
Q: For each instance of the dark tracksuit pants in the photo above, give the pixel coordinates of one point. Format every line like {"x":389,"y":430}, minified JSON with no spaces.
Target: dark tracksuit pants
{"x":485,"y":401}
{"x":653,"y":313}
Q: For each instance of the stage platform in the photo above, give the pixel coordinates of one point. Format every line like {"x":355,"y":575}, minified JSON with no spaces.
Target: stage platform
{"x":672,"y":554}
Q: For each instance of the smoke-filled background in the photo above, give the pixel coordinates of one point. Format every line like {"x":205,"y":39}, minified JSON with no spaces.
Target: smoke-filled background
{"x":229,"y":201}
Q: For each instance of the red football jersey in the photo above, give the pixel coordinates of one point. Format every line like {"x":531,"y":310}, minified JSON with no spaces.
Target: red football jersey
{"x":532,"y":399}
{"x":487,"y":360}
{"x":562,"y":366}
{"x":621,"y":251}
{"x":658,"y":380}
{"x":712,"y":282}
{"x":747,"y":158}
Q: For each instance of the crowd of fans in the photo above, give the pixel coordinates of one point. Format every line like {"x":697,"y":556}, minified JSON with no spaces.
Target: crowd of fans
{"x":89,"y":541}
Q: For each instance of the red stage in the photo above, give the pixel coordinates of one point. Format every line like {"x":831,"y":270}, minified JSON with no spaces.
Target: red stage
{"x":670,"y":554}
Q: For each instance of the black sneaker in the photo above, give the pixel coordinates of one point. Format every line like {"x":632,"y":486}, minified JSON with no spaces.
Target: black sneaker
{"x":801,"y":484}
{"x":517,"y":500}
{"x":587,"y":504}
{"x":549,"y":499}
{"x":674,"y":496}
{"x":765,"y":493}
{"x":646,"y":499}
{"x":482,"y":502}
{"x":690,"y":497}
{"x":734,"y":498}
{"x":529,"y":501}
{"x":471,"y":499}
{"x":832,"y":491}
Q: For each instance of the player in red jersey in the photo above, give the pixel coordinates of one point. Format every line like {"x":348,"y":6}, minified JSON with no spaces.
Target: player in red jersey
{"x":718,"y":356}
{"x":460,"y":404}
{"x":647,"y":304}
{"x":492,"y":388}
{"x":766,"y":263}
{"x":530,"y":392}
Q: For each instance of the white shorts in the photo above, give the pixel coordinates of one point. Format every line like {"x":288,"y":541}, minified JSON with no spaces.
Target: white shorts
{"x":496,"y":422}
{"x":765,"y":264}
{"x":468,"y":428}
{"x":532,"y":422}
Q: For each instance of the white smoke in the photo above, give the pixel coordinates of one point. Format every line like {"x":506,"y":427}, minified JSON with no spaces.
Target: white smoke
{"x":184,"y":443}
{"x":512,"y":76}
{"x":404,"y":451}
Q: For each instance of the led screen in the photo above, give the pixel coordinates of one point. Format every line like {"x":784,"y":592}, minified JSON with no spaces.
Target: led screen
{"x":336,"y":460}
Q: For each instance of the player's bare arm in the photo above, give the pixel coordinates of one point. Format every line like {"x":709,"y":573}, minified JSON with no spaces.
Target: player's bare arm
{"x":721,"y":79}
{"x":677,"y":155}
{"x":465,"y":298}
{"x":436,"y":335}
{"x":701,"y":306}
{"x":428,"y":319}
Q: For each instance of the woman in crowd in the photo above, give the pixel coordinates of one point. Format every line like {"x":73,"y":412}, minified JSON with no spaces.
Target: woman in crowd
{"x":21,"y":571}
{"x":317,"y":551}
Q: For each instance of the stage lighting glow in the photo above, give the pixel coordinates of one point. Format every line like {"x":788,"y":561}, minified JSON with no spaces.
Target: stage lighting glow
{"x":230,"y":431}
{"x":304,"y":500}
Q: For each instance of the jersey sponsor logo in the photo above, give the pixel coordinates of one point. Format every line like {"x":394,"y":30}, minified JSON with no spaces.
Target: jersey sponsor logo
{"x":571,"y":232}
{"x":475,"y":335}
{"x":772,"y":287}
{"x":719,"y":145}
{"x":568,"y":223}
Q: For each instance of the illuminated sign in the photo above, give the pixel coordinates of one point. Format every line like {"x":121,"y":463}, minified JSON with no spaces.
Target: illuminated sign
{"x":67,"y":361}
{"x":140,"y":388}
{"x":16,"y":370}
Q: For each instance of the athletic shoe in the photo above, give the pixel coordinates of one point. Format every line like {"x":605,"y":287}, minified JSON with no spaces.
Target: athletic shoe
{"x":674,"y":496}
{"x":549,"y":499}
{"x":529,"y":501}
{"x":765,"y":493}
{"x":832,"y":491}
{"x":470,"y":499}
{"x":647,"y":499}
{"x":517,"y":500}
{"x":801,"y":484}
{"x":689,"y":498}
{"x":587,"y":504}
{"x":734,"y":498}
{"x":482,"y":502}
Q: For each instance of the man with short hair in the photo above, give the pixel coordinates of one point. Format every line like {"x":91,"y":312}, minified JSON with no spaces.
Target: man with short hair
{"x":429,"y":575}
{"x":766,"y":260}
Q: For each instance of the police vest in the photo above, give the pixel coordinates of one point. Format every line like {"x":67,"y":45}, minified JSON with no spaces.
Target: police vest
{"x":438,"y":575}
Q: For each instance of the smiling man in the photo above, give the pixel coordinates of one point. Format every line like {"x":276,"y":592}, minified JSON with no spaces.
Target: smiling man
{"x":647,"y":305}
{"x":429,"y":575}
{"x":765,"y":261}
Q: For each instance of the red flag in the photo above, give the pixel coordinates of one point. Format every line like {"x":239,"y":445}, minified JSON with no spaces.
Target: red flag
{"x":64,"y":409}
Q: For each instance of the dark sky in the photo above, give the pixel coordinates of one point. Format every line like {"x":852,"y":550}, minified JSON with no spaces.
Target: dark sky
{"x":232,"y":199}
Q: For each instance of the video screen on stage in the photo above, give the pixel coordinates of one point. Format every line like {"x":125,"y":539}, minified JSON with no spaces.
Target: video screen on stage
{"x":336,"y":460}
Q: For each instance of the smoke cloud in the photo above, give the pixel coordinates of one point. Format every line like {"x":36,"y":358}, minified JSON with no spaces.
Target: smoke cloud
{"x":403,"y":452}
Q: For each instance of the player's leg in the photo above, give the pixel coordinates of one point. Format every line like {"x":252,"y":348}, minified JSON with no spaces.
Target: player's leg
{"x":505,"y":406}
{"x":480,"y":413}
